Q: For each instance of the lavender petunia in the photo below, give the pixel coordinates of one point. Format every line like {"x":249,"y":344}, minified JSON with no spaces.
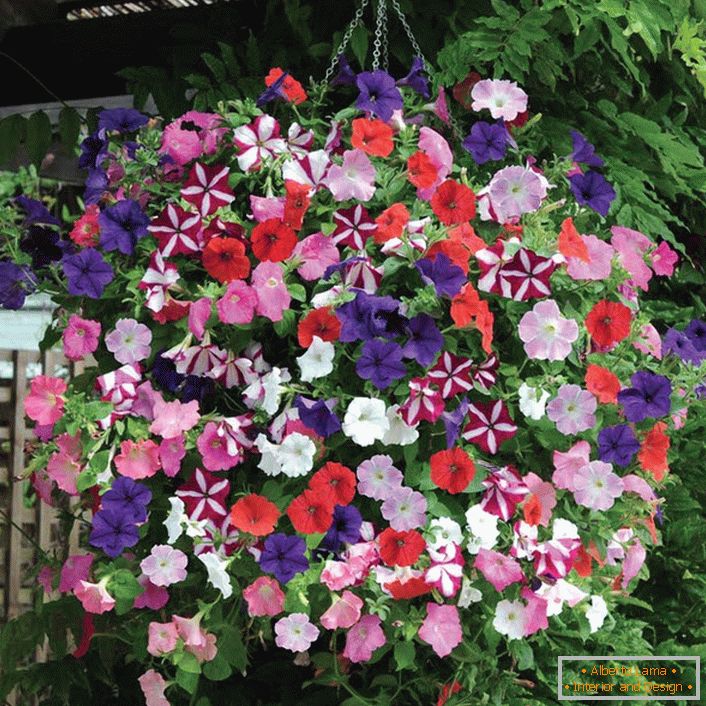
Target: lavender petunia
{"x":679,"y":344}
{"x":416,"y":79}
{"x":345,"y":527}
{"x":284,"y":556}
{"x":96,"y":185}
{"x":87,"y":273}
{"x":122,"y":225}
{"x":93,"y":149}
{"x":617,"y":444}
{"x":446,"y":277}
{"x":584,"y":151}
{"x":113,"y":531}
{"x":16,"y":282}
{"x":453,"y":421}
{"x":36,"y":212}
{"x":696,"y":331}
{"x":345,"y":75}
{"x":318,"y":415}
{"x":121,"y":119}
{"x":128,"y":497}
{"x":649,"y":396}
{"x":486,"y":142}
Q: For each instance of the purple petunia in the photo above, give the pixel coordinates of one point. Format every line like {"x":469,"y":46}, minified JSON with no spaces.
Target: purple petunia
{"x":284,"y":556}
{"x":16,"y":282}
{"x":318,"y":415}
{"x":36,"y":212}
{"x":591,"y":189}
{"x":368,"y":316}
{"x":617,"y":444}
{"x":453,"y":421}
{"x":679,"y":344}
{"x":381,"y":363}
{"x":486,"y":142}
{"x":121,"y":119}
{"x":446,"y":277}
{"x":345,"y":75}
{"x":696,"y":331}
{"x":87,"y":273}
{"x":122,"y":225}
{"x":416,"y":79}
{"x":378,"y":94}
{"x":44,"y":245}
{"x":272,"y":92}
{"x":345,"y":527}
{"x":93,"y":149}
{"x":113,"y":531}
{"x":96,"y":185}
{"x":583,"y":151}
{"x":128,"y":497}
{"x":649,"y":396}
{"x":425,"y":340}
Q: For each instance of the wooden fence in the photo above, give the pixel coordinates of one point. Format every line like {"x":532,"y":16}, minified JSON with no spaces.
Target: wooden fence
{"x":20,"y":517}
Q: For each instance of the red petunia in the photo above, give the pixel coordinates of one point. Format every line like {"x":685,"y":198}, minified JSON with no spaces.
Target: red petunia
{"x":310,"y":512}
{"x":334,"y":481}
{"x":583,"y":563}
{"x":254,"y":514}
{"x":290,"y":86}
{"x":653,"y":451}
{"x":602,"y":384}
{"x":608,"y":323}
{"x":225,"y":259}
{"x":467,"y":309}
{"x":321,"y":322}
{"x":372,"y":136}
{"x":273,"y":240}
{"x":391,"y":223}
{"x":532,"y":510}
{"x":453,"y":203}
{"x":412,"y":588}
{"x":296,"y":203}
{"x":570,"y":243}
{"x":452,"y":470}
{"x":421,"y":171}
{"x":400,"y":548}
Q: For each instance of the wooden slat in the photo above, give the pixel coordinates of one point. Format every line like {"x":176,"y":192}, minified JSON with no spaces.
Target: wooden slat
{"x":14,"y":555}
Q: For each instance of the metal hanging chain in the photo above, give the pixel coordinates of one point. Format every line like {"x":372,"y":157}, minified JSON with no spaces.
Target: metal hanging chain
{"x":380,"y":45}
{"x":409,"y":33}
{"x":357,"y":18}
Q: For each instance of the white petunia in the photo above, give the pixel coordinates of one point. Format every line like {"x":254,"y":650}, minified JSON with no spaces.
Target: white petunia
{"x":317,"y":361}
{"x":273,"y":387}
{"x":217,"y":575}
{"x":174,"y":520}
{"x":399,"y":432}
{"x":296,"y":455}
{"x":469,"y":594}
{"x":365,"y":421}
{"x":483,"y":527}
{"x":269,"y":457}
{"x":533,"y":401}
{"x":443,"y":531}
{"x":510,"y":618}
{"x":597,"y":613}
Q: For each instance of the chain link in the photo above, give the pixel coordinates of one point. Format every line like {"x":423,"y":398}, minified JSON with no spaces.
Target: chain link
{"x":409,"y":33}
{"x":380,"y":46}
{"x":357,"y":18}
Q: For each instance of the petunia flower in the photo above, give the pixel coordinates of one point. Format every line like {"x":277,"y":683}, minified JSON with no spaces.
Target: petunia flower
{"x":273,"y":298}
{"x":344,"y":612}
{"x":378,"y":478}
{"x":129,"y":341}
{"x":122,"y":225}
{"x":499,"y":570}
{"x":165,"y":565}
{"x":153,"y":686}
{"x":591,"y":189}
{"x":617,"y":444}
{"x":137,"y":459}
{"x":596,"y":486}
{"x":378,"y":94}
{"x":363,"y":639}
{"x":313,"y":255}
{"x":572,"y":410}
{"x":365,"y":421}
{"x":441,"y":628}
{"x":649,"y":396}
{"x":283,"y":556}
{"x":504,"y":99}
{"x":258,"y":142}
{"x":87,"y":273}
{"x":486,"y":142}
{"x":94,"y":597}
{"x":489,"y":425}
{"x":45,"y":402}
{"x":216,"y":568}
{"x":353,"y":179}
{"x":264,"y":597}
{"x":546,"y":334}
{"x":404,"y":509}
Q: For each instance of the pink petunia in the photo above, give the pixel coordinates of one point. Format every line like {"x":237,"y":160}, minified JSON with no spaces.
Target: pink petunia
{"x":441,"y":628}
{"x":354,"y":179}
{"x":153,"y":685}
{"x":363,"y":639}
{"x":313,"y":255}
{"x":634,"y":559}
{"x":183,"y":143}
{"x":546,"y":334}
{"x":264,"y":208}
{"x":664,"y":259}
{"x":80,"y":337}
{"x":214,"y":447}
{"x":64,"y":470}
{"x":272,"y":294}
{"x":544,"y":493}
{"x":152,"y":597}
{"x":596,"y":486}
{"x":129,"y":341}
{"x":137,"y":460}
{"x":76,"y":568}
{"x":344,"y":612}
{"x":499,"y":570}
{"x":44,"y":404}
{"x":295,"y":632}
{"x":535,"y":612}
{"x":237,"y":305}
{"x":171,"y":454}
{"x":173,"y":418}
{"x":94,"y":597}
{"x":649,"y":341}
{"x":199,"y":313}
{"x":161,"y":638}
{"x":599,"y":265}
{"x":437,"y":149}
{"x":567,"y":463}
{"x":572,"y":410}
{"x":264,"y":597}
{"x":504,"y":99}
{"x":632,"y":246}
{"x":165,"y":565}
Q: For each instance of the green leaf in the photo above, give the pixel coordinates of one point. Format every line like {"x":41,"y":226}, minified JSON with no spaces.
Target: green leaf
{"x":522,"y":652}
{"x":38,"y":138}
{"x":188,"y":681}
{"x":86,"y":479}
{"x":124,"y":585}
{"x":69,"y":128}
{"x":12,"y":133}
{"x":187,"y":662}
{"x":286,"y":325}
{"x":217,"y":669}
{"x":359,"y":44}
{"x":232,"y":648}
{"x":298,"y":292}
{"x":404,"y":655}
